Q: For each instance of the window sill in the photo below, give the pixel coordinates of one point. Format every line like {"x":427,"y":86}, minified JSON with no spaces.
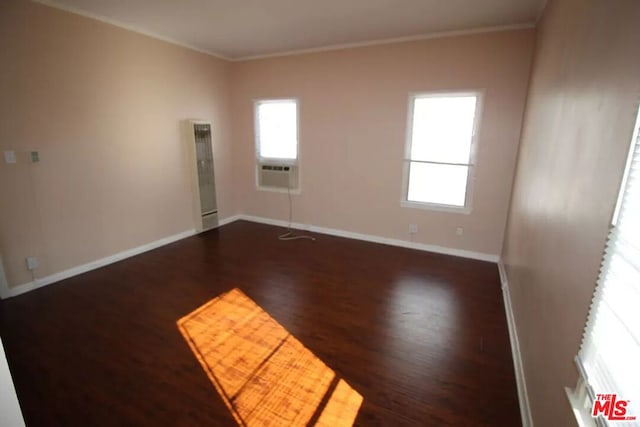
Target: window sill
{"x":577,"y":405}
{"x":466,"y":210}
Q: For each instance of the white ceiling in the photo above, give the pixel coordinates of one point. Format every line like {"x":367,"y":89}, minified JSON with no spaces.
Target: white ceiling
{"x":244,"y":28}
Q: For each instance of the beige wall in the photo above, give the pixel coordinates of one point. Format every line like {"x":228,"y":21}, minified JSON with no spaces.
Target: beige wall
{"x":578,"y":125}
{"x":353,"y":117}
{"x":102,"y":105}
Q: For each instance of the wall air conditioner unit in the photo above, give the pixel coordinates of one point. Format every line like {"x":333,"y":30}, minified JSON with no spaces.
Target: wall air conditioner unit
{"x":278,"y":176}
{"x":203,"y":184}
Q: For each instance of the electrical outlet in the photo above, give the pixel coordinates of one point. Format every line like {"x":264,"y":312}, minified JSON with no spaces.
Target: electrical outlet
{"x":413,"y":228}
{"x":32,"y":262}
{"x":459,"y":231}
{"x":10,"y":156}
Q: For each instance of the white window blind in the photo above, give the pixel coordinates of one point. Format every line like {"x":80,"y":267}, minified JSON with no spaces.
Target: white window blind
{"x":440,"y":148}
{"x":276,"y":125}
{"x":609,"y":357}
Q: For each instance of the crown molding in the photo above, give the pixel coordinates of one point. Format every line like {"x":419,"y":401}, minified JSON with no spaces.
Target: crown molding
{"x":128,"y":27}
{"x":543,"y":7}
{"x":426,"y":36}
{"x":417,"y":37}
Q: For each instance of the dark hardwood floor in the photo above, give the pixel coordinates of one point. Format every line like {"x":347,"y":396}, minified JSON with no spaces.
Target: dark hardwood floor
{"x":422,"y":337}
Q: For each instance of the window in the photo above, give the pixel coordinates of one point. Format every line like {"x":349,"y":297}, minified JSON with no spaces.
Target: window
{"x":277,"y":156}
{"x":440,"y":150}
{"x":276,"y":125}
{"x":610,"y":350}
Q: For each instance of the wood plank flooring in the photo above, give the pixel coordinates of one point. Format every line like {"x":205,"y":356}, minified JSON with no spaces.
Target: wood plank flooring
{"x":422,"y":337}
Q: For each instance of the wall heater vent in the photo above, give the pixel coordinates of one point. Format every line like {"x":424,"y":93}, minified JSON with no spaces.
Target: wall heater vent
{"x":203,"y":184}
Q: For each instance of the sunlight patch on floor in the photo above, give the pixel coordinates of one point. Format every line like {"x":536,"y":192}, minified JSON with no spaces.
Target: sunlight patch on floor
{"x":264,"y":375}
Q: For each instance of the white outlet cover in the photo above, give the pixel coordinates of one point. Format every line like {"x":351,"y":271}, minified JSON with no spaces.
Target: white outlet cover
{"x":413,"y":228}
{"x":32,"y":262}
{"x":459,"y":231}
{"x":10,"y":156}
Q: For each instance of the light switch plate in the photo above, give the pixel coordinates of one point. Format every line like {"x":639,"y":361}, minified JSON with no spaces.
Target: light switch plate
{"x":10,"y":156}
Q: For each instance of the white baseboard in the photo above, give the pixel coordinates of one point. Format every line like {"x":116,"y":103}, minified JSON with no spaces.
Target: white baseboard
{"x":523,"y":397}
{"x":4,"y":285}
{"x":374,"y":239}
{"x":56,"y":277}
{"x":229,"y":220}
{"x":6,"y":292}
{"x":10,"y":412}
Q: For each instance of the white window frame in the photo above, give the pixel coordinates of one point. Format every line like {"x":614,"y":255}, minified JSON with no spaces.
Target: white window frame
{"x":467,"y":208}
{"x":582,"y":396}
{"x":276,"y":161}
